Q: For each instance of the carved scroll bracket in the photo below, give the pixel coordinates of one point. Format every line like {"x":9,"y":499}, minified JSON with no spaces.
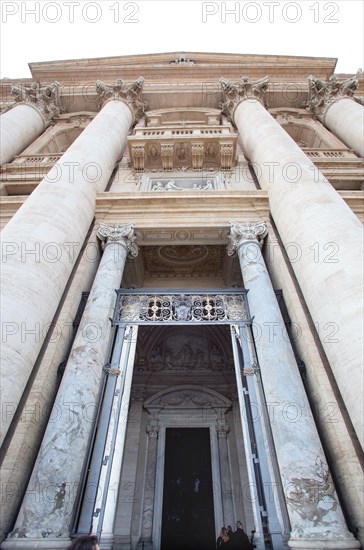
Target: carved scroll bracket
{"x":131,"y":94}
{"x":46,"y":99}
{"x":122,"y":234}
{"x":233,"y":94}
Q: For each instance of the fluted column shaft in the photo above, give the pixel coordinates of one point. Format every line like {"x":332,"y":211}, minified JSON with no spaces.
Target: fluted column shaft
{"x":41,"y":243}
{"x":312,"y":217}
{"x":310,"y":495}
{"x":19,"y":127}
{"x":45,"y":515}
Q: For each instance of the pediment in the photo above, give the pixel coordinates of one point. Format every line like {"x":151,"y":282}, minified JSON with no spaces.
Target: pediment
{"x":187,"y":397}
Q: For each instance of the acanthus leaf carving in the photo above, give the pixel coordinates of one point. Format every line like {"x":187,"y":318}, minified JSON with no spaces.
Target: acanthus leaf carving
{"x":47,"y":100}
{"x":124,"y":234}
{"x":322,"y":94}
{"x":131,"y":94}
{"x":233,"y":94}
{"x":248,"y":231}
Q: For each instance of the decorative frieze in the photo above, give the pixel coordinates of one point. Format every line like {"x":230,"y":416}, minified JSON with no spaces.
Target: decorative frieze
{"x":186,"y":150}
{"x":46,"y":99}
{"x":129,"y":93}
{"x":322,"y":94}
{"x":233,"y":94}
{"x":123,"y":234}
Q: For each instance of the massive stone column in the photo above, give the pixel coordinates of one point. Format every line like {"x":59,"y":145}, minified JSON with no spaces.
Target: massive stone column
{"x":41,"y":243}
{"x":332,"y":103}
{"x":46,"y":512}
{"x":314,"y":510}
{"x":326,"y":235}
{"x":33,"y":111}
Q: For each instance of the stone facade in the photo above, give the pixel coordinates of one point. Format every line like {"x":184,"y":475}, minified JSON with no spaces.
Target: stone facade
{"x":227,"y":205}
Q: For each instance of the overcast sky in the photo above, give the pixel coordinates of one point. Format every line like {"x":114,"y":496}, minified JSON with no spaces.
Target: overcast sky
{"x":49,"y":30}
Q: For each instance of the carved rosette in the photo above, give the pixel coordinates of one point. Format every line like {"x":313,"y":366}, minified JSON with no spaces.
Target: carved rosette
{"x":123,"y":234}
{"x":47,"y":100}
{"x":245,"y":232}
{"x":233,"y":94}
{"x":131,"y":94}
{"x":322,"y":94}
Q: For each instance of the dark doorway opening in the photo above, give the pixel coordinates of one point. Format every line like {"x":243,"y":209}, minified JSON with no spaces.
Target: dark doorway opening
{"x":188,"y":507}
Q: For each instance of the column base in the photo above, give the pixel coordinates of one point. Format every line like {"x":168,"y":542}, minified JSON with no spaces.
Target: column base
{"x":317,"y":544}
{"x":107,"y":542}
{"x":145,"y":544}
{"x":32,"y":544}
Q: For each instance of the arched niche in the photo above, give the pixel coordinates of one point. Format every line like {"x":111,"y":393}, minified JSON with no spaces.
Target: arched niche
{"x":304,"y":130}
{"x":59,"y":136}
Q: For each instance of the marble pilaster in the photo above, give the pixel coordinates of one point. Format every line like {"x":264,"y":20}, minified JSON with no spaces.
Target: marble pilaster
{"x":149,"y":487}
{"x":304,"y":204}
{"x":225,"y":474}
{"x":33,"y":111}
{"x":332,"y":103}
{"x":309,"y":492}
{"x":45,"y":515}
{"x":41,"y":243}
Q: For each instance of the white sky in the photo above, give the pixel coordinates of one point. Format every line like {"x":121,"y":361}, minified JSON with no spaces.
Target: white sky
{"x":74,"y":29}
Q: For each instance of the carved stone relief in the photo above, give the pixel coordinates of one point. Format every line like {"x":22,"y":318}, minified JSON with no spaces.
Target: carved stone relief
{"x":190,"y":181}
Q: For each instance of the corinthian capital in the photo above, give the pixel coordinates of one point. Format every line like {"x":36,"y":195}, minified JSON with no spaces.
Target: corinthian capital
{"x":129,"y":93}
{"x":245,"y":232}
{"x":46,"y":100}
{"x":233,"y":94}
{"x":123,"y":234}
{"x":322,"y":94}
